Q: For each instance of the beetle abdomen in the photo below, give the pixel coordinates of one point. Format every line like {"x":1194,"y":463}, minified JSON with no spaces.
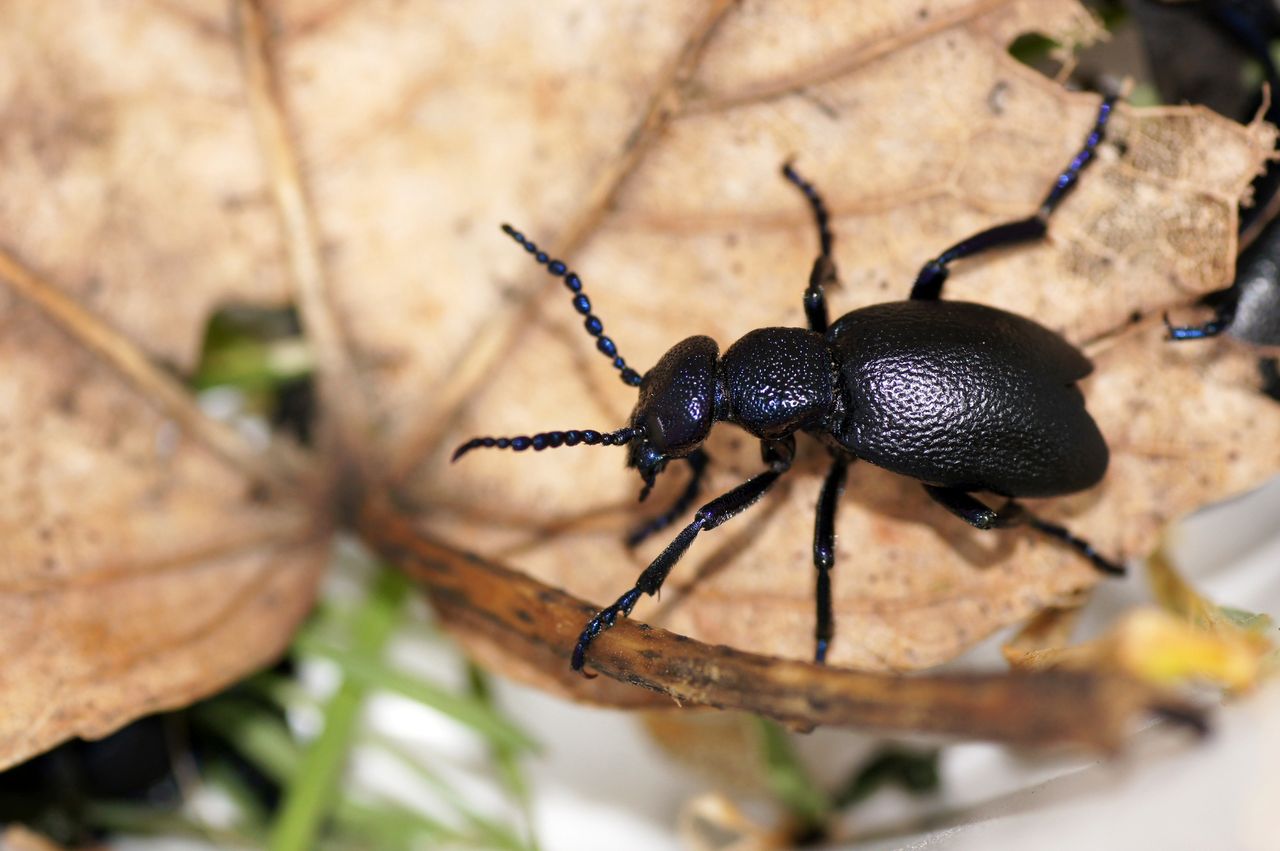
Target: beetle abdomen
{"x":968,"y":396}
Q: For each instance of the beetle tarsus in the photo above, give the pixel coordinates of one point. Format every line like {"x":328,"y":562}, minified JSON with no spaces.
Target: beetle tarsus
{"x":1080,"y":545}
{"x":1212,"y":328}
{"x":969,"y":509}
{"x":824,"y":268}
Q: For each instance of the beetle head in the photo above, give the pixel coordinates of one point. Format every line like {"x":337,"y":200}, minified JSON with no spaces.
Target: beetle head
{"x":677,"y":407}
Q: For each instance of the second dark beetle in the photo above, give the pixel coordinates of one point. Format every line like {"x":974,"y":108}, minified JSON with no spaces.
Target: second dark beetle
{"x":963,"y":397}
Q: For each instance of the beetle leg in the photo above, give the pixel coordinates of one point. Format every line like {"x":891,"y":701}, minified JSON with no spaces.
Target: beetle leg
{"x":928,"y":284}
{"x":824,"y":555}
{"x":1221,"y":320}
{"x":778,"y":455}
{"x":824,"y":268}
{"x":965,"y":506}
{"x":697,"y":460}
{"x":1080,"y":545}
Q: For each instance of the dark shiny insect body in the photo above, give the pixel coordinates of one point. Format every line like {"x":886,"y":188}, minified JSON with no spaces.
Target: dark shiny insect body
{"x":963,"y":397}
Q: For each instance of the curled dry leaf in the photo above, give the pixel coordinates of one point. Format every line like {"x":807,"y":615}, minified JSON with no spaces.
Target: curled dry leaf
{"x":160,"y":160}
{"x":1049,"y":628}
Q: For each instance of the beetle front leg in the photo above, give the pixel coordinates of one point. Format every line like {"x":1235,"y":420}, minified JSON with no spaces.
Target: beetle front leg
{"x":965,"y":506}
{"x":777,"y":453}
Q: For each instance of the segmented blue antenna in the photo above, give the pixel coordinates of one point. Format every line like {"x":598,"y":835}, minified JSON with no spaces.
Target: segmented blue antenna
{"x":581,"y":303}
{"x":548,"y":440}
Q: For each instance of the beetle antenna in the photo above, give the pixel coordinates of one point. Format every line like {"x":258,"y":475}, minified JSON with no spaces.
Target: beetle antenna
{"x":581,"y":303}
{"x":549,"y":440}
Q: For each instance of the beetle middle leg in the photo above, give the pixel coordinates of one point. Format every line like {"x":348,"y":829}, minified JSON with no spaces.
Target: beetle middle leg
{"x":824,"y":554}
{"x":824,"y":268}
{"x":928,"y":284}
{"x":969,"y":509}
{"x":777,"y":454}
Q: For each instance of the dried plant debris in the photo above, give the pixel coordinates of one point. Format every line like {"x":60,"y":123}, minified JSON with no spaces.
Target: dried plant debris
{"x":524,"y":619}
{"x":1184,"y":638}
{"x":1157,"y":647}
{"x":163,"y":161}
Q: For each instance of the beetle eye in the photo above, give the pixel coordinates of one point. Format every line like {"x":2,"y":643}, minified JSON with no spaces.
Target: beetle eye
{"x":655,"y":434}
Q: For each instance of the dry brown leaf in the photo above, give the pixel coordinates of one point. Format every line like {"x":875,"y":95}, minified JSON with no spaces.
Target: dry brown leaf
{"x":148,"y":174}
{"x":704,"y":237}
{"x":149,"y":556}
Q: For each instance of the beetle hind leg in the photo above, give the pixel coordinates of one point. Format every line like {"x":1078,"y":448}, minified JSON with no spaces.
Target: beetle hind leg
{"x":969,"y":509}
{"x":928,"y":284}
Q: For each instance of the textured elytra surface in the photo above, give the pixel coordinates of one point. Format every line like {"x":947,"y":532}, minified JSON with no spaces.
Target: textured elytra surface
{"x":937,"y":387}
{"x":143,"y":565}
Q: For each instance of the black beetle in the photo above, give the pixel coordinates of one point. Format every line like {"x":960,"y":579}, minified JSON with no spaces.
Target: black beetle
{"x":960,"y":396}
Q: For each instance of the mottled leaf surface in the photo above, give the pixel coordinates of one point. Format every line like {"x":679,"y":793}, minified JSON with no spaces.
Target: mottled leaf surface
{"x":147,"y":557}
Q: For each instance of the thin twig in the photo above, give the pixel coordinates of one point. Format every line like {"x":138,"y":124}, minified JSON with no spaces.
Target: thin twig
{"x":538,"y":625}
